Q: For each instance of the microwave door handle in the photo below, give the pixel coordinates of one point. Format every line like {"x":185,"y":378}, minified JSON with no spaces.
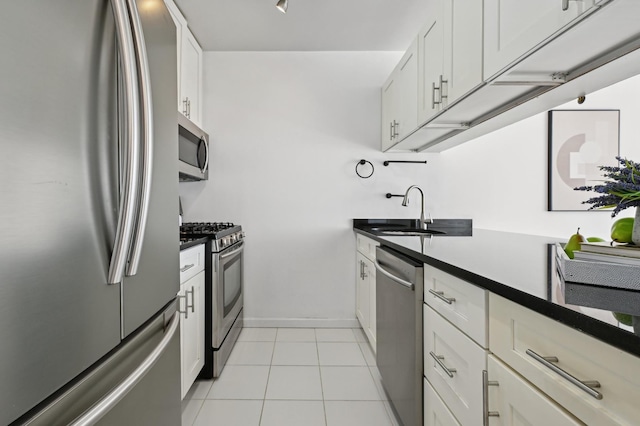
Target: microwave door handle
{"x":131,"y":145}
{"x":206,"y":150}
{"x":147,"y":143}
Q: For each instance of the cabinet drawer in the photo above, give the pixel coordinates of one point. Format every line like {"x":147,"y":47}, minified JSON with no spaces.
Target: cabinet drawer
{"x":435,"y":412}
{"x":515,"y":401}
{"x":191,"y":262}
{"x":461,"y":390}
{"x":366,"y":246}
{"x":517,"y":334}
{"x":467,"y":309}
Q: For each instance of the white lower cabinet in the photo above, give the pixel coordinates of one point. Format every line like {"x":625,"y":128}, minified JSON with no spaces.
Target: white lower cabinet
{"x":453,"y":364}
{"x":435,"y":412}
{"x":191,"y":306}
{"x":592,"y":380}
{"x":514,"y":401}
{"x":366,"y":287}
{"x":191,"y":330}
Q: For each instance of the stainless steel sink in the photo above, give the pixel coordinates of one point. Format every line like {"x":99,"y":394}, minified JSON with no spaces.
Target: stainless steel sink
{"x":407,"y":231}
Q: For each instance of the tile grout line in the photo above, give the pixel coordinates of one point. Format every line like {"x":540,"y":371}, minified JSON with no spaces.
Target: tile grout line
{"x":324,"y":405}
{"x":264,"y":399}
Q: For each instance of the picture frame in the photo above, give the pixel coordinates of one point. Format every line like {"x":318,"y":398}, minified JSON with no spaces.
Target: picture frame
{"x":579,"y":142}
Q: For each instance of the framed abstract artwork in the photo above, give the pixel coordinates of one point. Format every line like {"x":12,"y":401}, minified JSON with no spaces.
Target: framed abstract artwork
{"x":579,"y":142}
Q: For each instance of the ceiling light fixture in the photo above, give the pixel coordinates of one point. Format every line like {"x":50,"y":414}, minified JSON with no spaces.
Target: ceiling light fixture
{"x":282,"y":5}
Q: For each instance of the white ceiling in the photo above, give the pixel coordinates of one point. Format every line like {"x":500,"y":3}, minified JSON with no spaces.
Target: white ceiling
{"x":323,"y":25}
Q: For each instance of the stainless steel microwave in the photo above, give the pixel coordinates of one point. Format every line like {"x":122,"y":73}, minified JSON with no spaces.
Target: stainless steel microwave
{"x":193,"y":151}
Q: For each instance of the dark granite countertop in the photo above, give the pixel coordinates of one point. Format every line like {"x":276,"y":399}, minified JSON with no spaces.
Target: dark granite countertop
{"x":521,"y":268}
{"x":188,"y":244}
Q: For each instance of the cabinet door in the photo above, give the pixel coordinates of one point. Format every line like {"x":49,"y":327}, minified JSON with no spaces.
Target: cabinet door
{"x":191,"y":329}
{"x":362,"y":292}
{"x":513,"y":27}
{"x":436,"y":412}
{"x":388,"y":137}
{"x":462,"y":68}
{"x":517,"y":402}
{"x":190,"y":77}
{"x":407,"y":94}
{"x":179,"y":22}
{"x":453,"y":364}
{"x":430,"y":65}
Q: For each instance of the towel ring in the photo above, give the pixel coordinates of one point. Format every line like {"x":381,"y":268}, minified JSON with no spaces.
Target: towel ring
{"x":363,"y":162}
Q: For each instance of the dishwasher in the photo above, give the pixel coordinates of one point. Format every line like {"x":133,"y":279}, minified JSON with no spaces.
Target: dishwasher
{"x":399,"y":299}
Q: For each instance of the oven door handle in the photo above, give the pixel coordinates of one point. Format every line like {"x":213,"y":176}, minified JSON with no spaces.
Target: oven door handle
{"x":231,"y":253}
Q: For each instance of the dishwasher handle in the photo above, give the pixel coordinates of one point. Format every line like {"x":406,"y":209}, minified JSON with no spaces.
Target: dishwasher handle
{"x":389,"y":275}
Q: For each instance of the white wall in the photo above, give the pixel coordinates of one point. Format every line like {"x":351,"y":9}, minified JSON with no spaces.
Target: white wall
{"x":500,"y":179}
{"x":287,"y":130}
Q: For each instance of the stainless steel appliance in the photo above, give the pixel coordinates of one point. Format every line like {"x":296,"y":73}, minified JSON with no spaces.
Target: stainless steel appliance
{"x":193,"y":151}
{"x":399,"y":299}
{"x":224,"y":289}
{"x":89,"y":258}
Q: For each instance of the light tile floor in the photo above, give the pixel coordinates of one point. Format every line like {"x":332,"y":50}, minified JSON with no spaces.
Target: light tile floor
{"x":293,"y":377}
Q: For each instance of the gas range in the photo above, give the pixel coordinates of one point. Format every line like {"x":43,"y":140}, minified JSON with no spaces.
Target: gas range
{"x":222,"y":234}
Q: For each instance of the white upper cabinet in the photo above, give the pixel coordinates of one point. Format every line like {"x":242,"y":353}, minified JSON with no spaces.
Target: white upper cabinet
{"x":514,"y":27}
{"x":191,"y":78}
{"x":189,"y":67}
{"x":462,"y":48}
{"x":400,"y":99}
{"x":449,"y":55}
{"x":430,"y":66}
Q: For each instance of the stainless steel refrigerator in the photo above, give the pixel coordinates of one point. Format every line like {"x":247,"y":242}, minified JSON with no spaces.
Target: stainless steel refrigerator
{"x":89,"y":194}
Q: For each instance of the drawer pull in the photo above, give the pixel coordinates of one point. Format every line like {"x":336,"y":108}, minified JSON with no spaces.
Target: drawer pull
{"x":438,"y":359}
{"x":485,"y":398}
{"x":186,"y":268}
{"x":440,"y":295}
{"x":585,"y":385}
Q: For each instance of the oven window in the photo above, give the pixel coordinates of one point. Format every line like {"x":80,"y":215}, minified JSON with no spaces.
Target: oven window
{"x":232,"y":283}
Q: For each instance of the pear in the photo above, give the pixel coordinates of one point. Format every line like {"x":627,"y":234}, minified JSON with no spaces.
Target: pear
{"x":574,"y":243}
{"x":596,"y":240}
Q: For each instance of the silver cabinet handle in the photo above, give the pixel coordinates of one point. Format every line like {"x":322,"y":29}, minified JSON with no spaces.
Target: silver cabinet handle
{"x":433,"y":96}
{"x":187,"y":267}
{"x":440,"y":295}
{"x":395,"y":129}
{"x":361,"y":270}
{"x":485,"y":398}
{"x":193,"y":299}
{"x":129,"y":196}
{"x":364,"y":270}
{"x":105,"y":405}
{"x":444,"y":94}
{"x":188,"y":107}
{"x":184,"y":107}
{"x":393,"y":277}
{"x":585,"y":385}
{"x":147,"y":144}
{"x":438,"y":359}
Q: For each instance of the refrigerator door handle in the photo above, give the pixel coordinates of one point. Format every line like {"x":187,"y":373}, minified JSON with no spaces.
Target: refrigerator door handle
{"x":129,"y":195}
{"x":147,"y":144}
{"x":103,"y":406}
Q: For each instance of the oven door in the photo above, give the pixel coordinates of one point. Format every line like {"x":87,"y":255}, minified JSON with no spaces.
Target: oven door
{"x":227,"y":291}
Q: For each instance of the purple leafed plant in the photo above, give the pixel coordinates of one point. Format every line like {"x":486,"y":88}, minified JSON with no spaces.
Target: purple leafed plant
{"x":620,"y":191}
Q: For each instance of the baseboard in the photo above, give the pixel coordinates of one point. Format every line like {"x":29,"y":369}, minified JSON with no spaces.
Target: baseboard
{"x":301,"y":322}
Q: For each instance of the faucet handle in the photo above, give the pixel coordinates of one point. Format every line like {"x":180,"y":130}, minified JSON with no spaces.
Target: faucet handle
{"x":430,"y":219}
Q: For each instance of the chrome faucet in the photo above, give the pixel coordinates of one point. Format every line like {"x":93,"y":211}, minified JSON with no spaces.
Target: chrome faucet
{"x":405,"y":202}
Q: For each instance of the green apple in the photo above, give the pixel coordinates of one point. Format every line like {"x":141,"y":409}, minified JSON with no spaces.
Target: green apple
{"x":574,"y":243}
{"x":625,"y":319}
{"x":622,"y":230}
